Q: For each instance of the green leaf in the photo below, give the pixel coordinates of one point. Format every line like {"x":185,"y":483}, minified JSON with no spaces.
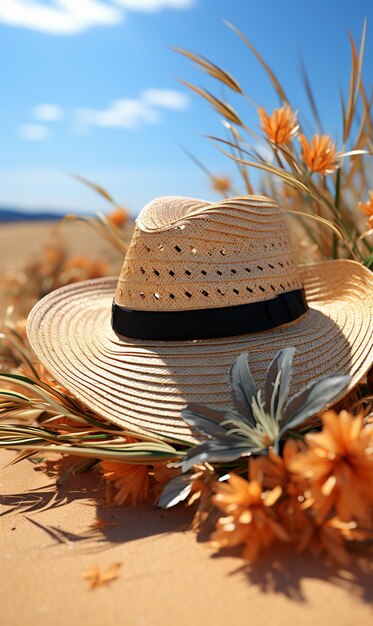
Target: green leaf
{"x":315,"y":398}
{"x":213,"y":451}
{"x":40,"y":388}
{"x":278,"y":381}
{"x":94,"y":452}
{"x":177,"y":490}
{"x":243,"y":387}
{"x":7,"y":393}
{"x":205,"y":419}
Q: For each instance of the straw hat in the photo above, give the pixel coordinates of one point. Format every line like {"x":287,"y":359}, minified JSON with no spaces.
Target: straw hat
{"x":201,"y":283}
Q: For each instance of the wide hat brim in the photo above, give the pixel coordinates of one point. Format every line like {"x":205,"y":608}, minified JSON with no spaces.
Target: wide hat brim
{"x":144,"y":385}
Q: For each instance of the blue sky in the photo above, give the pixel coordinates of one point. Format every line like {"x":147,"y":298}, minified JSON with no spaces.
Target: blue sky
{"x":89,"y":86}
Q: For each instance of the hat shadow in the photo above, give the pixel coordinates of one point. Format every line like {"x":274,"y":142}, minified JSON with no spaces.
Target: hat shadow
{"x":321,"y":349}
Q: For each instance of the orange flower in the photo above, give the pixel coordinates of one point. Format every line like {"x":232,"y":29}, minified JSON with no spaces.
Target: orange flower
{"x":53,"y":254}
{"x":276,"y":471}
{"x":80,"y":268}
{"x":97,"y":269}
{"x":319,"y":155}
{"x":162,"y":473}
{"x":339,"y":466}
{"x":130,"y":480}
{"x":367,"y":208}
{"x":249,"y":520}
{"x":281,"y":127}
{"x":201,"y":491}
{"x":98,"y":578}
{"x":221,"y":184}
{"x":118,"y":217}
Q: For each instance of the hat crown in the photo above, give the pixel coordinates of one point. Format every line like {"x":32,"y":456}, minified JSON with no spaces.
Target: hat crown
{"x":188,"y":254}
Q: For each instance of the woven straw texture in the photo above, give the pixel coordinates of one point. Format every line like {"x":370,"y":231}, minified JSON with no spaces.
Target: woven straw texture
{"x":188,"y":255}
{"x":145,"y":384}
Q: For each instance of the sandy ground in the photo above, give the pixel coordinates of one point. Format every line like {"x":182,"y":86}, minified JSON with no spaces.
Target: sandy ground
{"x":166,"y":576}
{"x":22,"y":242}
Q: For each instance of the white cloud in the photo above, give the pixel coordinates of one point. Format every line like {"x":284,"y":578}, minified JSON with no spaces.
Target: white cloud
{"x":63,"y":17}
{"x":166,"y":98}
{"x":33,"y":132}
{"x":48,"y":113}
{"x":154,"y":5}
{"x":130,"y":113}
{"x":68,"y":17}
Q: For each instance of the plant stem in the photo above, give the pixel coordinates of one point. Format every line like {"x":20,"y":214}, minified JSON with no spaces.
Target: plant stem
{"x":337,"y":198}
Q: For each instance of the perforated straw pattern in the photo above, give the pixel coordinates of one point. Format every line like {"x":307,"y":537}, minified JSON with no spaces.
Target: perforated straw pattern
{"x":187,"y":254}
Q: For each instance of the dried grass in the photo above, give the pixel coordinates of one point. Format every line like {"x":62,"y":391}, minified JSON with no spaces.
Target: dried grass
{"x":325,"y":206}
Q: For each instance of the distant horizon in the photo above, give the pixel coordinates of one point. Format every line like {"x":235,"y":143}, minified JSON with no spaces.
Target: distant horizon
{"x":7,"y":215}
{"x":31,"y":210}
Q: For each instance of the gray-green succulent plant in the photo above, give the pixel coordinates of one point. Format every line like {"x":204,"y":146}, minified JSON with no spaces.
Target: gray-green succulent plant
{"x":259,"y":420}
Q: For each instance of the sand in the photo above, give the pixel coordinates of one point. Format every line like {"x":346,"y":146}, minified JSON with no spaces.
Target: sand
{"x":21,"y":242}
{"x":166,"y":576}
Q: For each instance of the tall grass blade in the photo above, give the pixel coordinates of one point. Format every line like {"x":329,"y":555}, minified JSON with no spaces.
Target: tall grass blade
{"x":221,"y":106}
{"x":213,"y":70}
{"x":271,"y":74}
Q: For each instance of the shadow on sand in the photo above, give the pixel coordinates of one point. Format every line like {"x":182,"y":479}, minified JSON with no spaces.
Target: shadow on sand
{"x":280,"y":571}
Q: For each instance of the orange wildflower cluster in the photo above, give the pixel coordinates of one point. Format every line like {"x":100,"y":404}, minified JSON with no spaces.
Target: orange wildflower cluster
{"x":249,"y":515}
{"x":317,"y":495}
{"x":276,"y":471}
{"x":338,"y":465}
{"x":367,"y":208}
{"x":55,"y":269}
{"x":280,"y":127}
{"x":319,"y":155}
